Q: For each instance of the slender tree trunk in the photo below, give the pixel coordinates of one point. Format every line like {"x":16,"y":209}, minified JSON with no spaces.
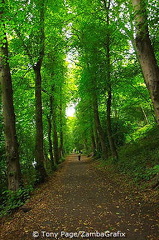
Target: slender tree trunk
{"x":146,"y":54}
{"x":50,"y":141}
{"x":54,"y":126}
{"x":99,"y":127}
{"x":94,"y":149}
{"x":61,"y":130}
{"x":109,"y":127}
{"x":97,"y":142}
{"x":39,"y":146}
{"x":108,"y":85}
{"x":53,"y":162}
{"x":39,"y":141}
{"x":61,"y":151}
{"x":145,"y":116}
{"x":11,"y":143}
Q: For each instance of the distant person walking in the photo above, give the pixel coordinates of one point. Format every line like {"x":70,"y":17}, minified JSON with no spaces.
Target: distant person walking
{"x":79,"y":156}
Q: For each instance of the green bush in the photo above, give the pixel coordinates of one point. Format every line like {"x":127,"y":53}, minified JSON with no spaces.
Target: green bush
{"x":14,"y":200}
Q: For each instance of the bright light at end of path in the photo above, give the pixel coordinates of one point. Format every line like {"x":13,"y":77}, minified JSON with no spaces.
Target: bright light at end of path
{"x":70,"y":111}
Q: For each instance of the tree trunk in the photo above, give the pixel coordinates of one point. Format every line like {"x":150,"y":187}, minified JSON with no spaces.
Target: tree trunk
{"x":61,"y":151}
{"x":11,"y":143}
{"x":50,"y":141}
{"x":94,"y":148}
{"x":145,"y":116}
{"x":61,"y":130}
{"x":99,"y":127}
{"x":39,"y":141}
{"x":39,"y":148}
{"x":97,"y":141}
{"x":109,"y":127}
{"x":108,"y":84}
{"x":51,"y":150}
{"x":146,"y":54}
{"x":54,"y":126}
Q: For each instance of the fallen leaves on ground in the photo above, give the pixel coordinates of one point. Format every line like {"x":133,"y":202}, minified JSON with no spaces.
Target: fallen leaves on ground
{"x":80,"y":197}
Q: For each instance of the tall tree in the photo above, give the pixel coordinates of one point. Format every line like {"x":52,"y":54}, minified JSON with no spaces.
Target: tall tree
{"x":108,"y":82}
{"x":146,"y":53}
{"x":34,"y":44}
{"x":39,"y":144}
{"x":11,"y":143}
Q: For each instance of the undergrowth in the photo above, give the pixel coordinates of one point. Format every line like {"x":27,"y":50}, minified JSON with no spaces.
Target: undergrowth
{"x":140,"y":158}
{"x":11,"y":200}
{"x":14,"y":200}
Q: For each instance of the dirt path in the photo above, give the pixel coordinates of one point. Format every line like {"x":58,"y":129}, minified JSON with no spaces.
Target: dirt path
{"x":79,"y":198}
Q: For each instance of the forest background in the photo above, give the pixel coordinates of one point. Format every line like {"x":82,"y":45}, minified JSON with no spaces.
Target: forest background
{"x":100,"y":57}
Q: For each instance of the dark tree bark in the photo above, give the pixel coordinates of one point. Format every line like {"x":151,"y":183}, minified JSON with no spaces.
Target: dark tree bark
{"x":39,"y":146}
{"x":98,"y":126}
{"x":109,"y":127}
{"x":94,"y":148}
{"x":11,"y":143}
{"x":108,"y":85}
{"x":61,"y":150}
{"x":50,"y":141}
{"x":54,"y":127}
{"x":97,"y":123}
{"x":98,"y":143}
{"x":146,"y":55}
{"x":39,"y":140}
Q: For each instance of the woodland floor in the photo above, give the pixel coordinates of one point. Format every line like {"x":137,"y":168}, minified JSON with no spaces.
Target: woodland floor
{"x":81,"y":197}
